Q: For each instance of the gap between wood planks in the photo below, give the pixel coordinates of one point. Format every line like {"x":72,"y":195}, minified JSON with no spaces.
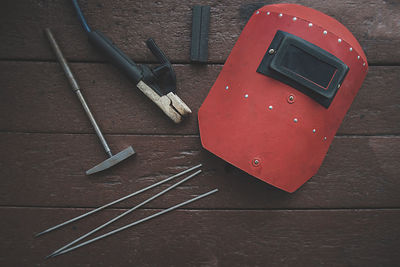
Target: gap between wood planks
{"x":216,"y":63}
{"x":179,"y":135}
{"x":208,"y":209}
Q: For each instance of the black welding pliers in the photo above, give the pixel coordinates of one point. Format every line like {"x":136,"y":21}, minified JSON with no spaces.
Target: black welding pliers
{"x":157,"y":83}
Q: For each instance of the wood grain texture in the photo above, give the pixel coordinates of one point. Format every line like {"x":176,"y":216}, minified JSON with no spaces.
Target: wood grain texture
{"x":130,"y":23}
{"x":209,"y":238}
{"x":347,"y":215}
{"x":41,"y":100}
{"x":48,"y":170}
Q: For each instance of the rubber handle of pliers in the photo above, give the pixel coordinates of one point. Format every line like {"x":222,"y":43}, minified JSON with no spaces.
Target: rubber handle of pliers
{"x":116,"y":56}
{"x":157,"y":52}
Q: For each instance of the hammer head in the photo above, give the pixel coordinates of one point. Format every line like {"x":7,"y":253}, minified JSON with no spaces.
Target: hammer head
{"x":117,"y":158}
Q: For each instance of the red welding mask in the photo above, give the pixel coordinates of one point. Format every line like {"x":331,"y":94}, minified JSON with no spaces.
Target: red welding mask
{"x":282,"y":94}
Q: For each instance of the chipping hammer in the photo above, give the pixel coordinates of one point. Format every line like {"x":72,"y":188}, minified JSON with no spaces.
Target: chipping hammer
{"x":113,"y":159}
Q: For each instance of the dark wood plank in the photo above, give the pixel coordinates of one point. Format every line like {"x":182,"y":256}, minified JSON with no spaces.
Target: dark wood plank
{"x":48,"y":170}
{"x":347,"y":215}
{"x":376,"y":106}
{"x":209,"y":238}
{"x":117,"y":104}
{"x":130,"y":23}
{"x":37,"y":98}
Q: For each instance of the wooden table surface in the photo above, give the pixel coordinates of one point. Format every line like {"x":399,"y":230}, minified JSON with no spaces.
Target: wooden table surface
{"x":347,"y":215}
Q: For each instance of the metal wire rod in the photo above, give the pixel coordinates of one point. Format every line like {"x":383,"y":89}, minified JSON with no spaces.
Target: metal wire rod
{"x":117,"y":201}
{"x":136,"y":222}
{"x":125,"y":213}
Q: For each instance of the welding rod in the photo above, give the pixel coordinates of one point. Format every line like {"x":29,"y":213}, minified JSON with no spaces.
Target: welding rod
{"x":137,"y":222}
{"x":117,"y":201}
{"x":125,"y":213}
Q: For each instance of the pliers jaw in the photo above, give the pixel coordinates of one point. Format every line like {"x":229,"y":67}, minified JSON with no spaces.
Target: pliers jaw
{"x":178,"y":104}
{"x":162,"y":81}
{"x":170,"y":104}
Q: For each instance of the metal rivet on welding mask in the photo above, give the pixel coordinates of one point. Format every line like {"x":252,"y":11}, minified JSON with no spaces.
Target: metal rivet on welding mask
{"x":271,"y":51}
{"x":227,"y":87}
{"x":364,"y":64}
{"x":246,"y":95}
{"x":325,"y":138}
{"x":280,"y":15}
{"x":268,"y":13}
{"x":314,"y":130}
{"x":358,"y":57}
{"x":339,"y":40}
{"x":256,"y":162}
{"x":258,"y":12}
{"x":351,"y":49}
{"x":270,"y":107}
{"x":295,"y":120}
{"x":309,"y":24}
{"x":325,"y":32}
{"x":290,"y":98}
{"x":294,"y":19}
